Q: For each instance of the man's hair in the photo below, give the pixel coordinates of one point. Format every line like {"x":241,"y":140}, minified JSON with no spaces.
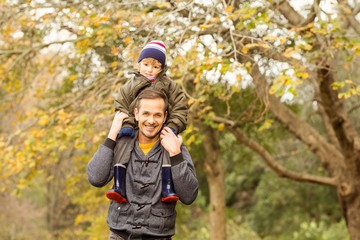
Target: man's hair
{"x":151,"y":93}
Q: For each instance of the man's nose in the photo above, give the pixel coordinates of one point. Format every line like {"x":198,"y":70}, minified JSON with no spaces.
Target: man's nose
{"x":150,"y":119}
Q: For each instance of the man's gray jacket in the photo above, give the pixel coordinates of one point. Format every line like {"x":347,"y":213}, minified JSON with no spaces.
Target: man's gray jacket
{"x":144,"y":212}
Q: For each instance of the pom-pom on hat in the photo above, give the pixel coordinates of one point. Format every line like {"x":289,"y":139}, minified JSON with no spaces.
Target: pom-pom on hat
{"x":155,"y":49}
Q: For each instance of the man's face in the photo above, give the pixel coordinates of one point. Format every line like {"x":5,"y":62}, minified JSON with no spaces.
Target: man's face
{"x":151,"y":117}
{"x":150,"y":68}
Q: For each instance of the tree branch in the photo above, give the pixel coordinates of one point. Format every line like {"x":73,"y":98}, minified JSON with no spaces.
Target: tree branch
{"x":280,"y":170}
{"x":325,"y":151}
{"x":350,"y":17}
{"x":270,"y":161}
{"x":293,"y":17}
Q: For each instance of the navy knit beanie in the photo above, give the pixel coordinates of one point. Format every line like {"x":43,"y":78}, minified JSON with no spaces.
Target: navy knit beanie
{"x":155,"y":49}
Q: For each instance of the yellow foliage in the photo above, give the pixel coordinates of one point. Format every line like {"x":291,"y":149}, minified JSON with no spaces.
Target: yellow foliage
{"x":269,"y":38}
{"x":191,"y":101}
{"x":115,"y":51}
{"x":79,"y":219}
{"x":229,"y":9}
{"x":289,"y":52}
{"x":190,"y":140}
{"x":221,"y":127}
{"x":266,"y":125}
{"x":117,"y":27}
{"x":104,"y":18}
{"x":249,"y":46}
{"x":303,"y":75}
{"x":62,"y":115}
{"x":205,"y":26}
{"x":83,"y":44}
{"x":73,"y":77}
{"x":114,"y":64}
{"x":79,"y":144}
{"x":22,"y":184}
{"x":283,"y":40}
{"x":214,"y":20}
{"x":44,"y":120}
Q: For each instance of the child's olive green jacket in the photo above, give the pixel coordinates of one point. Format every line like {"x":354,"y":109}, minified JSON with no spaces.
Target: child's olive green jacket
{"x":177,"y":112}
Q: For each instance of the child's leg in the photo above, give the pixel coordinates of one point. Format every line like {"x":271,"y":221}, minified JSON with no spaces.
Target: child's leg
{"x":122,"y":154}
{"x":168,"y":192}
{"x":118,"y":194}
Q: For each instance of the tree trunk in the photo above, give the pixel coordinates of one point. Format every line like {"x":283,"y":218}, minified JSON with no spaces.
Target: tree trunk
{"x":348,"y":139}
{"x":351,"y":208}
{"x":60,"y":211}
{"x":214,"y":170}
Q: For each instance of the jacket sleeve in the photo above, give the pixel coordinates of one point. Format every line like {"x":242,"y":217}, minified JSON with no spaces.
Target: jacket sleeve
{"x":184,"y":176}
{"x":124,"y":101}
{"x":179,"y":109}
{"x":100,"y":167}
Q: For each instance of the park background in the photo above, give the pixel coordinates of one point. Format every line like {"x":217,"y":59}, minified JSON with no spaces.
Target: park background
{"x":273,"y":92}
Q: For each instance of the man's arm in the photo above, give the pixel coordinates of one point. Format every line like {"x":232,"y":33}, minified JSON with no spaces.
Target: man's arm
{"x":182,"y":168}
{"x":100,"y":167}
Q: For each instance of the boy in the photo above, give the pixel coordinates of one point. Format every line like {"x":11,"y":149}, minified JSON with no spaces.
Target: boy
{"x":151,"y":73}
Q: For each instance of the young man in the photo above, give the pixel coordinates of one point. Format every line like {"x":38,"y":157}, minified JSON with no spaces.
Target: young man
{"x":144,"y":215}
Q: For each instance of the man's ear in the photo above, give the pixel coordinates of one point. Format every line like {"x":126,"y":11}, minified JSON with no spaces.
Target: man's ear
{"x":166,"y":114}
{"x":136,"y":114}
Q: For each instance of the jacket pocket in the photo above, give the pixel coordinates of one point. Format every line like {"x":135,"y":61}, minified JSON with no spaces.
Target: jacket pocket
{"x":118,"y":213}
{"x":162,"y":220}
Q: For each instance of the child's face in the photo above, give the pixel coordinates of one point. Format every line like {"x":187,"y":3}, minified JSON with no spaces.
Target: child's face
{"x":150,"y":68}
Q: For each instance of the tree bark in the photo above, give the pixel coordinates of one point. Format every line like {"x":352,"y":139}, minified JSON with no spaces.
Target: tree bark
{"x":214,"y":170}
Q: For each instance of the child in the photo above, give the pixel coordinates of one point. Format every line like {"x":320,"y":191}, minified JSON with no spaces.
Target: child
{"x":151,"y":73}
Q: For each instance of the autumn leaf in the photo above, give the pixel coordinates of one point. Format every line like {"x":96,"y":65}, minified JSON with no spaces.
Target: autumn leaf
{"x":249,"y":46}
{"x":266,"y":125}
{"x":221,"y":127}
{"x":229,"y":9}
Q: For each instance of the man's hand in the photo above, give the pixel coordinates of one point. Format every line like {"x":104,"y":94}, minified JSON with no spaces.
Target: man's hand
{"x":170,"y":141}
{"x":116,"y":124}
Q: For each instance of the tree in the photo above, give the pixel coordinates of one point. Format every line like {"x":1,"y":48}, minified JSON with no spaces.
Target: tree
{"x":285,"y":54}
{"x":214,"y":169}
{"x":290,"y":61}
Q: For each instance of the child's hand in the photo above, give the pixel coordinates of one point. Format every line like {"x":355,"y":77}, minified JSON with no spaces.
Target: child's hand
{"x":170,"y":141}
{"x":116,"y":124}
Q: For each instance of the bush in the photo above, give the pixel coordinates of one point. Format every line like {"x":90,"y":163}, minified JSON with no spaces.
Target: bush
{"x":319,"y":231}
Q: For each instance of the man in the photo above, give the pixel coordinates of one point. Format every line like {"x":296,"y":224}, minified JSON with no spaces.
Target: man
{"x":144,"y":215}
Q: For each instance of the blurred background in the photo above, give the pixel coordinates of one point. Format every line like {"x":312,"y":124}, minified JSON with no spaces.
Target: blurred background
{"x":273,"y":92}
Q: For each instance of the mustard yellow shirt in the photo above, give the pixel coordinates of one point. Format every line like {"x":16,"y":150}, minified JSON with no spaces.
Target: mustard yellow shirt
{"x":146,"y":147}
